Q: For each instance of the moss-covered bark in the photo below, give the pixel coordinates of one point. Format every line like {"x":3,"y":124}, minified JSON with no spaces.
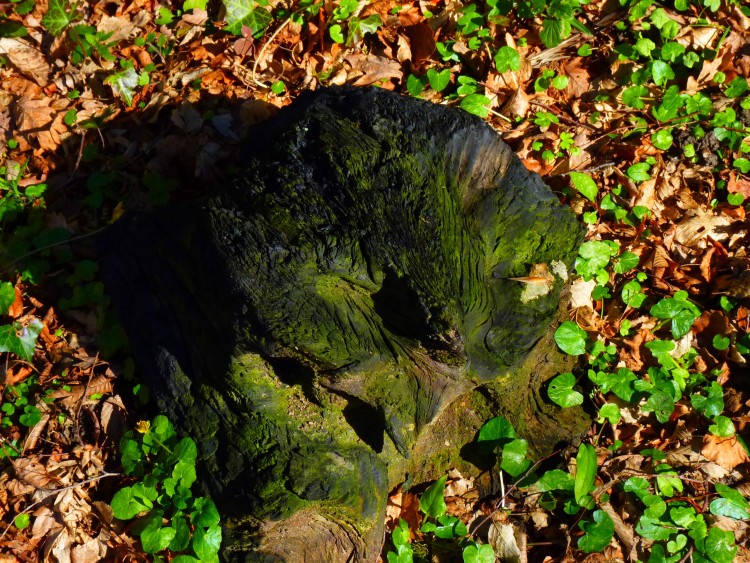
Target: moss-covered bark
{"x":320,"y":326}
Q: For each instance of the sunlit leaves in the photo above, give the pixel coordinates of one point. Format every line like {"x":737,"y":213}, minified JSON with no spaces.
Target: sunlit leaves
{"x":20,"y":340}
{"x":571,"y":338}
{"x":124,"y":84}
{"x":247,"y":13}
{"x":561,"y":391}
{"x":634,"y":95}
{"x":432,"y":503}
{"x":584,"y":184}
{"x":7,"y":296}
{"x":731,"y":504}
{"x":598,"y":533}
{"x":507,"y":58}
{"x":586,"y":466}
{"x":639,"y":172}
{"x":58,"y":18}
{"x":736,"y":87}
{"x":439,"y":79}
{"x":679,"y":310}
{"x":476,"y":104}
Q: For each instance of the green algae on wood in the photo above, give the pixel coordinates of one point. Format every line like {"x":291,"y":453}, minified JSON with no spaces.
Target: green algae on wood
{"x":318,"y":325}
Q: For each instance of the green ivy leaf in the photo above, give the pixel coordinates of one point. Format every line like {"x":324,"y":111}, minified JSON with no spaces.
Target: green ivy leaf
{"x":584,"y":184}
{"x":586,"y":466}
{"x":514,"y":460}
{"x":561,"y":391}
{"x":432,"y":502}
{"x":184,"y":473}
{"x":20,"y":340}
{"x":633,"y":96}
{"x":720,"y":342}
{"x":554,"y":31}
{"x":732,"y":504}
{"x":360,"y":27}
{"x":626,"y":262}
{"x":610,"y":412}
{"x":22,"y":521}
{"x":476,"y":104}
{"x":556,"y":480}
{"x":712,"y":404}
{"x":661,"y":72}
{"x":336,"y":33}
{"x":496,"y":431}
{"x":638,"y":486}
{"x":416,"y":84}
{"x":507,"y":58}
{"x":736,"y":87}
{"x":475,"y":553}
{"x":204,"y":514}
{"x":206,"y":542}
{"x":571,"y":338}
{"x":124,"y":84}
{"x":639,"y":172}
{"x":720,"y":545}
{"x":598,"y":533}
{"x":742,"y":164}
{"x":31,"y":415}
{"x":57,"y":18}
{"x":654,"y":529}
{"x":662,"y":139}
{"x":154,"y":537}
{"x":7,"y":297}
{"x":181,"y":538}
{"x":560,"y":82}
{"x":722,"y":427}
{"x":439,"y":80}
{"x":241,"y":13}
{"x":661,"y":404}
{"x":632,"y":295}
{"x":126,"y":505}
{"x":193,"y":4}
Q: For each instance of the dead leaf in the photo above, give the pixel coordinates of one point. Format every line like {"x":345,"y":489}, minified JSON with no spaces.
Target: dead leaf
{"x":373,"y":68}
{"x":699,"y":224}
{"x":16,"y":309}
{"x":26,"y":58}
{"x":726,"y":452}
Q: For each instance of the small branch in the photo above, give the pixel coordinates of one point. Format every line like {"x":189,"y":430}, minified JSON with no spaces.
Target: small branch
{"x":263,"y":50}
{"x":564,"y":118}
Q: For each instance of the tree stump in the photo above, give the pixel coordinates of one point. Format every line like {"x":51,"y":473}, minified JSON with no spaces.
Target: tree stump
{"x":347,"y":313}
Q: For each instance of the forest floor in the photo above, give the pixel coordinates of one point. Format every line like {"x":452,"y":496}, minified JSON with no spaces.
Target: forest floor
{"x":636,"y":113}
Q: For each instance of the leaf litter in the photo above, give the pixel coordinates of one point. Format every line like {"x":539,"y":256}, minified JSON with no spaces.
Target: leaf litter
{"x":61,"y":473}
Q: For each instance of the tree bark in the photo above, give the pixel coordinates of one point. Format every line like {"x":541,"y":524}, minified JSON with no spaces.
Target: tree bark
{"x":346,"y":313}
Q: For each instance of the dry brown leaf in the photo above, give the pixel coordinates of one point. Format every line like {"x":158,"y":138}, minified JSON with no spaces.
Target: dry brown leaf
{"x":90,"y":550}
{"x":44,"y":522}
{"x":16,"y":309}
{"x":373,"y":68}
{"x":692,"y":231}
{"x":29,"y":471}
{"x":727,"y":452}
{"x":121,"y":27}
{"x":517,"y":105}
{"x":578,"y":78}
{"x":26,"y":58}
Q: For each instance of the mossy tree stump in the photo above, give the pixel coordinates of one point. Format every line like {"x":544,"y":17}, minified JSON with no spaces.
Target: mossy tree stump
{"x":346,"y":314}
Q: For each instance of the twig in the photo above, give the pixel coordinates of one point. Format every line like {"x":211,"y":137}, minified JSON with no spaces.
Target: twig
{"x":263,"y":50}
{"x":564,"y":118}
{"x":60,"y":243}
